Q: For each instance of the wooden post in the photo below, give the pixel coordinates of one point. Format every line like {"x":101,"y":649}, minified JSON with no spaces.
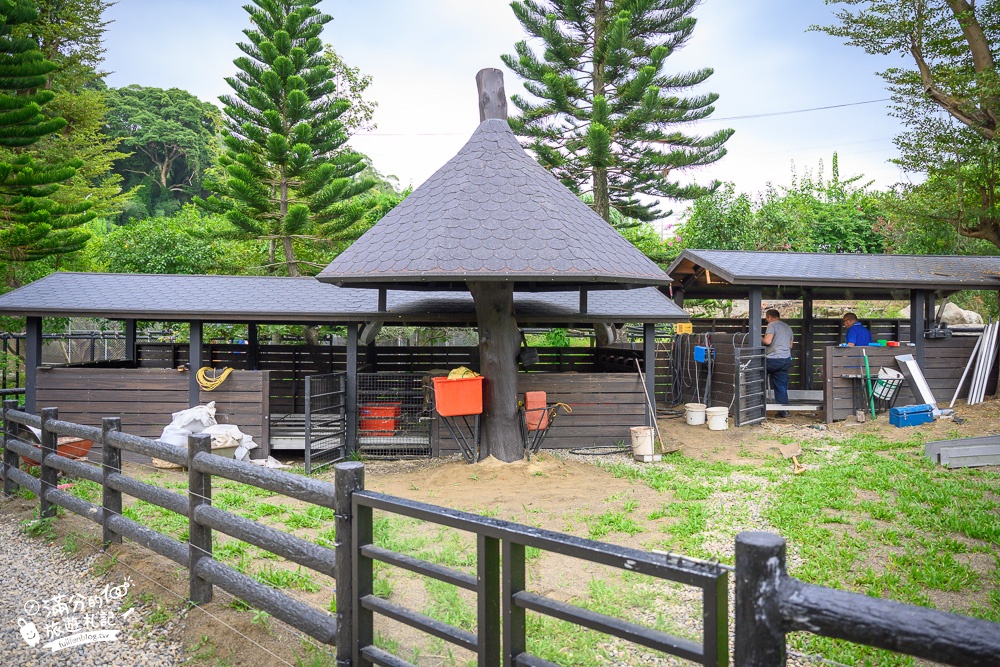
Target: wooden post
{"x":253,"y":347}
{"x":917,"y":325}
{"x":199,"y":537}
{"x":583,"y":301}
{"x":756,"y":316}
{"x":492,"y":96}
{"x":194,"y":363}
{"x":499,"y":340}
{"x":10,"y":458}
{"x":649,"y":364}
{"x":111,"y":462}
{"x":929,"y":308}
{"x":130,"y":336}
{"x":679,"y":297}
{"x":806,"y":342}
{"x":363,"y":583}
{"x":760,"y":568}
{"x":348,"y":478}
{"x":352,"y":387}
{"x":32,"y":360}
{"x":382,"y":300}
{"x":49,"y":476}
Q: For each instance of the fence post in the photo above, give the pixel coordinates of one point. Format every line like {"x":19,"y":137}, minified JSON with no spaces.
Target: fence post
{"x":348,"y":478}
{"x":111,"y":462}
{"x":514,"y":643}
{"x":760,"y":632}
{"x":10,"y":459}
{"x":49,"y":475}
{"x":199,"y":537}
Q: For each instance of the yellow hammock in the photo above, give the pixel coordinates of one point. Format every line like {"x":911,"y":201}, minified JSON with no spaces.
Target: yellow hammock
{"x":210,"y":384}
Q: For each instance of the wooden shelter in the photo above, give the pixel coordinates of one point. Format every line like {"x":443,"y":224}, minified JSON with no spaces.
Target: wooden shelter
{"x":493,"y":221}
{"x":266,"y":395}
{"x":923,"y":280}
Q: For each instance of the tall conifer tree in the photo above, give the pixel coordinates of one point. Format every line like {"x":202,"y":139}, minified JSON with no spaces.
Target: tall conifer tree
{"x":605,"y":113}
{"x":32,"y":224}
{"x":288,"y":176}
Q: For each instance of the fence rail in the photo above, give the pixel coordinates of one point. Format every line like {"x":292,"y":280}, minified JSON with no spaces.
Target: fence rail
{"x":769,"y":603}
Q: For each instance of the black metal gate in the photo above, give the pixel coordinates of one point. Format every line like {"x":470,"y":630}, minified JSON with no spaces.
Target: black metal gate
{"x":750,"y":399}
{"x":326,"y":420}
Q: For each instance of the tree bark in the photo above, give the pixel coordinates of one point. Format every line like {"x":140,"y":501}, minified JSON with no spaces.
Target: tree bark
{"x":499,"y":340}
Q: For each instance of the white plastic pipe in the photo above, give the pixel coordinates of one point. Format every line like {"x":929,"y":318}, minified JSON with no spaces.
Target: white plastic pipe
{"x":978,"y":373}
{"x":986,"y":353}
{"x":990,"y":360}
{"x":972,"y":358}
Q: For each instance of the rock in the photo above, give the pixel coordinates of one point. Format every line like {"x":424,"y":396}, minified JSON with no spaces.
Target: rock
{"x":952,"y":315}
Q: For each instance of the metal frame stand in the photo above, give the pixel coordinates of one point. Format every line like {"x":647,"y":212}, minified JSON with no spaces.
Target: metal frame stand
{"x":469,"y":448}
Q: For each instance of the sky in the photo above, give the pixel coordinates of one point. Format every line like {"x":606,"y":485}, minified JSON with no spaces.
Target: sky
{"x":423,"y":56}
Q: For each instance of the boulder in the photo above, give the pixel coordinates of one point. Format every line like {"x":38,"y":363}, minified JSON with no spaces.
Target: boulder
{"x":953,"y":315}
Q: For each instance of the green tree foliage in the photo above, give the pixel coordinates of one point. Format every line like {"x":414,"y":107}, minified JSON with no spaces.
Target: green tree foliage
{"x":350,"y":83}
{"x":809,"y":216}
{"x":607,"y":116}
{"x":171,"y":138}
{"x":289,"y":177}
{"x":187,"y":242}
{"x":32,"y":223}
{"x":70,"y":33}
{"x":948,"y":98}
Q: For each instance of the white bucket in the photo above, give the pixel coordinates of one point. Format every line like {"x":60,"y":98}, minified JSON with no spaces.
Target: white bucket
{"x":718,"y":418}
{"x":642,"y":440}
{"x":694,"y":413}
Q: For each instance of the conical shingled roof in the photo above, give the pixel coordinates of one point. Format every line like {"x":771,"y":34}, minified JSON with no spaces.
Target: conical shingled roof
{"x":492,"y":213}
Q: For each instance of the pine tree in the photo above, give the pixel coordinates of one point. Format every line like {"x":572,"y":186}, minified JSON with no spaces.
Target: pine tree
{"x":32,"y":224}
{"x":605,"y":116}
{"x":288,"y":176}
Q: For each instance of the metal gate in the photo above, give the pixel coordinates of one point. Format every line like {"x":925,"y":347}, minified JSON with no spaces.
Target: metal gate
{"x":326,"y":420}
{"x":394,"y":415}
{"x":750,"y":398}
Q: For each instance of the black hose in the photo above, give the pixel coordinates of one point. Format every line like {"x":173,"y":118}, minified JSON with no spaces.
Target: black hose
{"x":600,"y":450}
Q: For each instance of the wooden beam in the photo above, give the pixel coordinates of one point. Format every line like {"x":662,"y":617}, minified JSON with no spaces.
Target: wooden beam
{"x":352,"y":386}
{"x":649,"y":363}
{"x":194,"y":363}
{"x":253,"y":347}
{"x":756,"y":316}
{"x":679,"y":297}
{"x":806,"y":342}
{"x":492,"y":96}
{"x":918,"y":324}
{"x":130,"y":336}
{"x":32,"y":360}
{"x":583,"y":301}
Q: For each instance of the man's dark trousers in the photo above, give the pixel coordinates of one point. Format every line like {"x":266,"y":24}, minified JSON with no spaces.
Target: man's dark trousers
{"x":777,"y":370}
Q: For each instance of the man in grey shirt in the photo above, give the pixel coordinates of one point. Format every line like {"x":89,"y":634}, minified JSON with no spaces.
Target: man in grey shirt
{"x":778,"y":339}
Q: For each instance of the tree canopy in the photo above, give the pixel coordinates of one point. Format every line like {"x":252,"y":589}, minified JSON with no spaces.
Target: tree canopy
{"x":170,"y":136}
{"x":948,"y":98}
{"x":289,"y":176}
{"x":34,"y":224}
{"x":603,"y":114}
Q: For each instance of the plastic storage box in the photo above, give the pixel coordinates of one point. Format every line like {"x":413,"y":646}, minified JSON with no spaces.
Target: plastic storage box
{"x":911,"y":415}
{"x":459,"y":397}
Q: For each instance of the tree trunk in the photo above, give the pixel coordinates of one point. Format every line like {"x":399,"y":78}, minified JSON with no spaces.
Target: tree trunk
{"x":602,"y":197}
{"x":290,"y":263}
{"x":499,"y":339}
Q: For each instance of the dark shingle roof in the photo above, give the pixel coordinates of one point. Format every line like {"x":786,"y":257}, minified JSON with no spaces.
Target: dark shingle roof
{"x":828,"y":273}
{"x":492,"y":214}
{"x":274,"y":299}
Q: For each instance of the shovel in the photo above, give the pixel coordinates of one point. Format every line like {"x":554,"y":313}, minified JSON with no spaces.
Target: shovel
{"x":792,"y":452}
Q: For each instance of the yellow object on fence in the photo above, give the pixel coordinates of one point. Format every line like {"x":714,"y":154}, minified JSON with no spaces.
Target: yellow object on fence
{"x":462,"y":372}
{"x":210,"y":384}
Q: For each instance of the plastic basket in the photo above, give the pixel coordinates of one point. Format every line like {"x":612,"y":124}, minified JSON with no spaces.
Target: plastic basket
{"x":380,"y":418}
{"x":459,"y":397}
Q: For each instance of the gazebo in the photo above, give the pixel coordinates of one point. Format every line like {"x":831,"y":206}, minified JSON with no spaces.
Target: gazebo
{"x":494,"y":222}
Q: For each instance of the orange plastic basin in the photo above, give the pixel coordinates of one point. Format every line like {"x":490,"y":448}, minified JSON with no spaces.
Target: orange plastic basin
{"x":73,"y":448}
{"x":458,"y":398}
{"x":380,"y":418}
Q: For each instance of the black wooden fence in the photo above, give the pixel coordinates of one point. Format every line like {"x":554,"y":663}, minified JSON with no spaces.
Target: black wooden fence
{"x":769,"y":603}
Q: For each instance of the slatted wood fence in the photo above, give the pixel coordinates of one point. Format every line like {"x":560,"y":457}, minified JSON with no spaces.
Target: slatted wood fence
{"x":145,"y":398}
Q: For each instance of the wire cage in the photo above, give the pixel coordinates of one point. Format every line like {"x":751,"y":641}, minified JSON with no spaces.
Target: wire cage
{"x":394,"y":415}
{"x":325,"y":420}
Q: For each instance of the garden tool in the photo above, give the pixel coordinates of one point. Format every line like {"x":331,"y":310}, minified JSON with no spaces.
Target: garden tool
{"x":792,"y":452}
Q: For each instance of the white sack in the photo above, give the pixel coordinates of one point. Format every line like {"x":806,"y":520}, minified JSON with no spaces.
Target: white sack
{"x":195,"y":419}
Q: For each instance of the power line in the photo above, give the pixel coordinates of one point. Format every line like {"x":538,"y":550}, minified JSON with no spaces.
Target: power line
{"x":787,"y":113}
{"x":705,"y":120}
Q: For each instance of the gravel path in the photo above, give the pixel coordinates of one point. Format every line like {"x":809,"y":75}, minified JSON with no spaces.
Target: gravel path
{"x":36,"y":574}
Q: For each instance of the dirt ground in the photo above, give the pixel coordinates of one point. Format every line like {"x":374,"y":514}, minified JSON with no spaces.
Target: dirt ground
{"x":551,"y":492}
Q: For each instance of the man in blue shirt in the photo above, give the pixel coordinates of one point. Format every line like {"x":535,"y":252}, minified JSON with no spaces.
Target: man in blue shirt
{"x":857,"y":333}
